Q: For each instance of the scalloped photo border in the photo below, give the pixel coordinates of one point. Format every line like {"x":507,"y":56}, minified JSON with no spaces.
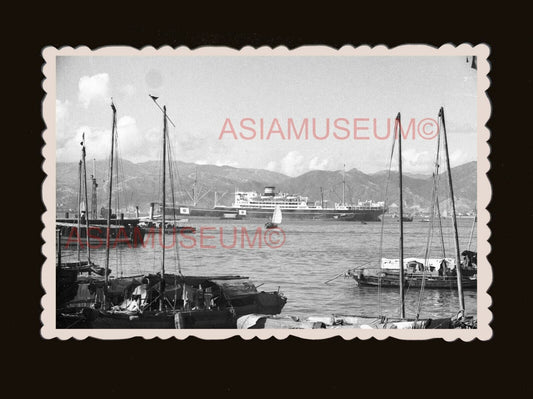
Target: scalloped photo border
{"x":484,"y":192}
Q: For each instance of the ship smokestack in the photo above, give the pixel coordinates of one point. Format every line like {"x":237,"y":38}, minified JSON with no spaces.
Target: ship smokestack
{"x":137,"y":212}
{"x":270,"y":191}
{"x":152,"y":210}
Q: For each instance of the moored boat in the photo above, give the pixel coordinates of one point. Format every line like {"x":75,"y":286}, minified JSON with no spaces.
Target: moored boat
{"x":418,"y":273}
{"x":164,"y":300}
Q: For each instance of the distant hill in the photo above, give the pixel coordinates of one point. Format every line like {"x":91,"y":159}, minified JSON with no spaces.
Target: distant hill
{"x":139,"y":184}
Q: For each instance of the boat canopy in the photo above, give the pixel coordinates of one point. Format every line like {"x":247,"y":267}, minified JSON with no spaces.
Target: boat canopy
{"x":234,"y":288}
{"x":430,"y":263}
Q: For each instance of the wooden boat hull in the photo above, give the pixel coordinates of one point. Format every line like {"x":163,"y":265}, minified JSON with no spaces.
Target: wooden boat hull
{"x":264,"y":302}
{"x":391,"y":280}
{"x":240,"y":298}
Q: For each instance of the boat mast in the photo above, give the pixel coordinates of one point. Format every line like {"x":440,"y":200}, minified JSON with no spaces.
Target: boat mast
{"x":343,"y":183}
{"x":163,"y":213}
{"x":86,"y":200}
{"x":108,"y":233}
{"x":454,"y":220}
{"x":94,"y":204}
{"x":79,"y":212}
{"x":194,"y":193}
{"x":399,"y":132}
{"x":321,"y":197}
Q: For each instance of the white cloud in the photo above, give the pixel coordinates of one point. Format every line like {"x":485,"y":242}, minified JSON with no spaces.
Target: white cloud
{"x":272,"y":166}
{"x":316,"y":164}
{"x":62,"y":108}
{"x":458,"y":157}
{"x":417,"y":162}
{"x":96,"y":143}
{"x":93,"y":88}
{"x":133,"y":144}
{"x":226,"y":163}
{"x":292,"y":164}
{"x":414,"y":161}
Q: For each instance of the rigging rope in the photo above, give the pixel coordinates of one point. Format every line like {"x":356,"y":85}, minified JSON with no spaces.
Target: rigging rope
{"x":383,"y":221}
{"x":171,"y":176}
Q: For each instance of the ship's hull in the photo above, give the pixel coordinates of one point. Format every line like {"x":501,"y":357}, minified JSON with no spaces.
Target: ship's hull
{"x":123,"y":234}
{"x":391,"y":280}
{"x":267,"y":303}
{"x":367,"y":215}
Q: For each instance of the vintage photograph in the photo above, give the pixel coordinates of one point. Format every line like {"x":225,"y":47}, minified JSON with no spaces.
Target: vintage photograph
{"x":266,"y":192}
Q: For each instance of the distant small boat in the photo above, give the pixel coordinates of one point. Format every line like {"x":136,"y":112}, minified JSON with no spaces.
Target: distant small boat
{"x":170,"y":227}
{"x":232,"y":216}
{"x":276,"y":219}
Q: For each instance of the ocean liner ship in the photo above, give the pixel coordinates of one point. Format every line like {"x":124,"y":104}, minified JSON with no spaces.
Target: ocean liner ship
{"x":251,"y":204}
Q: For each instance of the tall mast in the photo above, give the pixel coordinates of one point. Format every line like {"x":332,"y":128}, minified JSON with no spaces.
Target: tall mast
{"x":94,"y":202}
{"x":194,"y":191}
{"x":79,"y":211}
{"x":399,"y":132}
{"x":343,"y":183}
{"x":454,"y":219}
{"x":163,"y":213}
{"x":321,"y":197}
{"x":86,"y":200}
{"x":108,"y":234}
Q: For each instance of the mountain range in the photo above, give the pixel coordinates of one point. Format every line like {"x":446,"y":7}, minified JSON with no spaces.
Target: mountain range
{"x":139,"y":184}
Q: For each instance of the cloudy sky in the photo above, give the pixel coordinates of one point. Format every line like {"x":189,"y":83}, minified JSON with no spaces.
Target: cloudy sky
{"x":202,"y":93}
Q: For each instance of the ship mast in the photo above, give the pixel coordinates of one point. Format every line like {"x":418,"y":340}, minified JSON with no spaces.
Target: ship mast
{"x":454,"y":219}
{"x":343,"y":183}
{"x":194,"y":193}
{"x":79,"y":212}
{"x":86,"y":199}
{"x":94,"y":202}
{"x":163,"y":213}
{"x":399,"y":133}
{"x":108,"y":233}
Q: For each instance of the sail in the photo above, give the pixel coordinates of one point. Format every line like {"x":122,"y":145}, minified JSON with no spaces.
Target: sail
{"x":276,"y":217}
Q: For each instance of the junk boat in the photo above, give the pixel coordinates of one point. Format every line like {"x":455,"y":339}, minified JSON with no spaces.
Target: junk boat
{"x":161,"y":300}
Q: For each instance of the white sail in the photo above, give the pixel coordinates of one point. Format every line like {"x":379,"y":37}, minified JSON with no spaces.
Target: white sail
{"x":276,"y":217}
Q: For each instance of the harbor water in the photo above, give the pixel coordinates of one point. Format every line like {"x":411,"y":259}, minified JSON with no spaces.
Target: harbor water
{"x":300,"y":259}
